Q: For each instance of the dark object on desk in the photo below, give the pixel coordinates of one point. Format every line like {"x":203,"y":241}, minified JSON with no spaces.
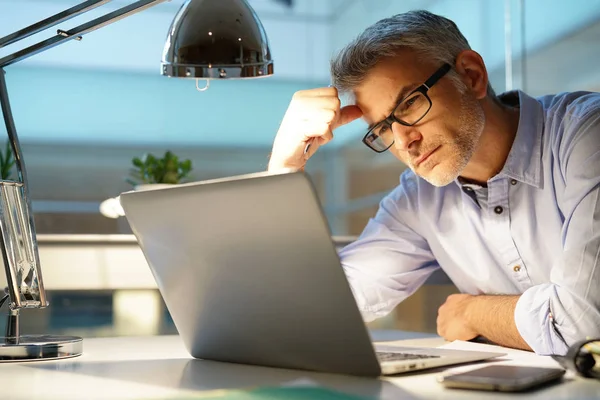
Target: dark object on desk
{"x":503,"y":378}
{"x":583,"y":357}
{"x":483,"y":340}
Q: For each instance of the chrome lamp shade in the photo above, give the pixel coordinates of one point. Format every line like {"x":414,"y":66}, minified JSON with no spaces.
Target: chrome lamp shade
{"x":216,"y":39}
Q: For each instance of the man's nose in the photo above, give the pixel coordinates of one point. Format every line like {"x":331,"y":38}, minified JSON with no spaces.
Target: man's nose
{"x":405,"y":136}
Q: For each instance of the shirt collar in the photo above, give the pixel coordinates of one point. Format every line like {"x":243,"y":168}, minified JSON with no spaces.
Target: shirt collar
{"x":524,"y":161}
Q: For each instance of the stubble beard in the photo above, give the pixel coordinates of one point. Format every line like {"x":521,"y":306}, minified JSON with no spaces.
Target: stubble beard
{"x":471,"y":123}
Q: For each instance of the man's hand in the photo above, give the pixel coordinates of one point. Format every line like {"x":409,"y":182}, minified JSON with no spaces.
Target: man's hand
{"x":312,"y":116}
{"x":452,"y":321}
{"x":464,"y":317}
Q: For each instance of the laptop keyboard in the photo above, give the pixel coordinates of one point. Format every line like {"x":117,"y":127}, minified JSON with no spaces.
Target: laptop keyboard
{"x":389,"y":356}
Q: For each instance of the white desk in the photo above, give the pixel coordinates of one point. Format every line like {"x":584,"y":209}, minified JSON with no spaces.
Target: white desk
{"x":160,"y":368}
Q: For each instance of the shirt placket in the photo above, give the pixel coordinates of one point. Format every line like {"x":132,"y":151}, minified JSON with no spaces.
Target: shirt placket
{"x":499,"y":215}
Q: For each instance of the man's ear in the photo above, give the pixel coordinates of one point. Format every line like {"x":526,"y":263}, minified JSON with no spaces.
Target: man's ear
{"x":471,"y":68}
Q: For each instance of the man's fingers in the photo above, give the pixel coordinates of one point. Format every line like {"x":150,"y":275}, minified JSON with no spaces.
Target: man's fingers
{"x":347,"y":115}
{"x":327,"y":137}
{"x":319,"y":116}
{"x":323,"y":91}
{"x":310,"y":118}
{"x":314,"y":129}
{"x":317,"y":142}
{"x":312,"y":103}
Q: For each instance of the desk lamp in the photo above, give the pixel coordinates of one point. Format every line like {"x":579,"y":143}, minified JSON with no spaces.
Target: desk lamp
{"x":208,"y":39}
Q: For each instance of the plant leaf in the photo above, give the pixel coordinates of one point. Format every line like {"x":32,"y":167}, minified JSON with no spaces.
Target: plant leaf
{"x":6,"y":161}
{"x":138,"y":162}
{"x":152,"y":169}
{"x":131,"y":182}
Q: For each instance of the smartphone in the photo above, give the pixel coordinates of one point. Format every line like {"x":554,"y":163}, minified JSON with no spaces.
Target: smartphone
{"x":504,"y":378}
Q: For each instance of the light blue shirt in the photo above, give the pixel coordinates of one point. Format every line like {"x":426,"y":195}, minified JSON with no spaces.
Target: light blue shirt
{"x":534,"y":231}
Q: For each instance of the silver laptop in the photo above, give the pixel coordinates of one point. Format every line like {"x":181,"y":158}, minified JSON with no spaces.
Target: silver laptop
{"x":248,"y":271}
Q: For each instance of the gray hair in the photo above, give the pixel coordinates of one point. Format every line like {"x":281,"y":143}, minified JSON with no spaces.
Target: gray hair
{"x":431,"y":36}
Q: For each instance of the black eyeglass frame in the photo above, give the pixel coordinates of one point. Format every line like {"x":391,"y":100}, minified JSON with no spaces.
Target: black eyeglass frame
{"x":424,"y":88}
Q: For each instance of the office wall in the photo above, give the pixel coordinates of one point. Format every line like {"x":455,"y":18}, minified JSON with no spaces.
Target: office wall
{"x":85,"y":108}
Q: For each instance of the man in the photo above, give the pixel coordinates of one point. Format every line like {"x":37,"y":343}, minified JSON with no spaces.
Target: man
{"x":502,"y":193}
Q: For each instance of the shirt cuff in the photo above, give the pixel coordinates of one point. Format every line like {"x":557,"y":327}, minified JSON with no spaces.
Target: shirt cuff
{"x":535,"y":321}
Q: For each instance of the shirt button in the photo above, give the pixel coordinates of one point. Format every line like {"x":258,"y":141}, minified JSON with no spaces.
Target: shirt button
{"x":468,"y":189}
{"x":498,"y":209}
{"x":513,"y":182}
{"x":516,"y":268}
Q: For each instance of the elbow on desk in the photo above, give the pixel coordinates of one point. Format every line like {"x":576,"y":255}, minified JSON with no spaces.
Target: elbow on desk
{"x":550,"y":318}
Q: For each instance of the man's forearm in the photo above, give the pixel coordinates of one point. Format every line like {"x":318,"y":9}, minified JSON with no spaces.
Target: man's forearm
{"x":493,"y":318}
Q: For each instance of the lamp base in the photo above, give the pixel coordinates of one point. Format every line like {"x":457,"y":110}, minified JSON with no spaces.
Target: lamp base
{"x":39,"y":347}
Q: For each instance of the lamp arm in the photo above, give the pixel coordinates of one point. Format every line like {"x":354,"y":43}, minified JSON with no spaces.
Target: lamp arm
{"x":18,"y":243}
{"x":23,"y":199}
{"x":51,"y":21}
{"x":75,"y":33}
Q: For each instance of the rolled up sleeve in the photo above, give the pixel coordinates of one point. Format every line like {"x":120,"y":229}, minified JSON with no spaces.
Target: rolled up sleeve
{"x":552,"y":316}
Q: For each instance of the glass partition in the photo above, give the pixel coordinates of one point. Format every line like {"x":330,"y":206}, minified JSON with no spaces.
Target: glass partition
{"x":82,"y":125}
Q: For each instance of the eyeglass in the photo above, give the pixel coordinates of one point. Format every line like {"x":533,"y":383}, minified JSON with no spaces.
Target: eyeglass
{"x":583,"y":357}
{"x":410,"y":110}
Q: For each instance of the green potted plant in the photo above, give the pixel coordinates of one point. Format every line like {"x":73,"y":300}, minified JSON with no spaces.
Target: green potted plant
{"x":7,"y":162}
{"x":150,"y":171}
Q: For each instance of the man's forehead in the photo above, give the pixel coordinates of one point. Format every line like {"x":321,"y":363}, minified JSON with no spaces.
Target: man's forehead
{"x":379,"y":92}
{"x":378,"y":97}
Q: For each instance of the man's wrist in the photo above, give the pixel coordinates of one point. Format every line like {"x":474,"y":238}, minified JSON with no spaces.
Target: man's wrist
{"x":471,"y":312}
{"x":275,"y":166}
